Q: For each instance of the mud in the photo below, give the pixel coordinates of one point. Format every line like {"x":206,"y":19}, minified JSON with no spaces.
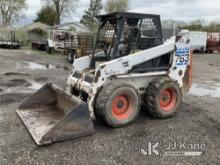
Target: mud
{"x":197,"y":121}
{"x":65,"y":68}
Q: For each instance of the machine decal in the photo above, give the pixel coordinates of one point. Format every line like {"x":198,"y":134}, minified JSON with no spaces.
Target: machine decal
{"x":182,"y":55}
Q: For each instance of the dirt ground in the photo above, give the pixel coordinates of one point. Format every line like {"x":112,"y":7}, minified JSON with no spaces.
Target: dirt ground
{"x":196,"y":124}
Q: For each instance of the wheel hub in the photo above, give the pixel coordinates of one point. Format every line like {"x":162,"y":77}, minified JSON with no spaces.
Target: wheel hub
{"x":120,"y":105}
{"x":167,"y":99}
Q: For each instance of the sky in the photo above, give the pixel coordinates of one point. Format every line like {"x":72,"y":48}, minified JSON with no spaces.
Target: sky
{"x":184,"y":10}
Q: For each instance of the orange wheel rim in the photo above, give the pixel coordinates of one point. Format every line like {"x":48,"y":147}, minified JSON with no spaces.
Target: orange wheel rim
{"x":121,"y":107}
{"x":168,"y":98}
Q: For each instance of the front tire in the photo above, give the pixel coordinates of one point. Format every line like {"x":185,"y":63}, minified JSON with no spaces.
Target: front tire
{"x":118,"y":104}
{"x":163,"y":98}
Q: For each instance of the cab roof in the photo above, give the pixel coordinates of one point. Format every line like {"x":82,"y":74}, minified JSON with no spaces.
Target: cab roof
{"x":126,"y":15}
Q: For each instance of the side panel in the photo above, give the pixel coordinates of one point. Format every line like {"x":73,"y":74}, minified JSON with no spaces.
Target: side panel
{"x":82,"y":63}
{"x":124,"y":65}
{"x":181,"y":70}
{"x":140,"y":81}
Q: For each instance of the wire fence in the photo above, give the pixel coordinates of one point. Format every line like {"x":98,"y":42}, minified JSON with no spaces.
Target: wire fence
{"x":83,"y":43}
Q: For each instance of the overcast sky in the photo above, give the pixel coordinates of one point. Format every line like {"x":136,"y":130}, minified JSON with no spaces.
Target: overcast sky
{"x":185,"y":10}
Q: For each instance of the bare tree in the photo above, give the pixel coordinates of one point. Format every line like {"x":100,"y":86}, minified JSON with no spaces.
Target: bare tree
{"x":63,"y":8}
{"x":11,"y":10}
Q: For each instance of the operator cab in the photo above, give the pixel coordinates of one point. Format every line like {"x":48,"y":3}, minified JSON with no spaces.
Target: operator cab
{"x":121,"y":34}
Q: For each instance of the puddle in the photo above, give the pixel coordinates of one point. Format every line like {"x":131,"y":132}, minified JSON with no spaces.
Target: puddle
{"x":212,"y":90}
{"x":41,"y":79}
{"x":34,"y":66}
{"x":216,"y":65}
{"x":16,"y":74}
{"x":16,"y":83}
{"x":35,"y":85}
{"x":21,"y":86}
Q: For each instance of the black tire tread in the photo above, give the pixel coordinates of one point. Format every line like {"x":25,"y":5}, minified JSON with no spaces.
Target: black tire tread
{"x":103,"y":96}
{"x":150,"y":95}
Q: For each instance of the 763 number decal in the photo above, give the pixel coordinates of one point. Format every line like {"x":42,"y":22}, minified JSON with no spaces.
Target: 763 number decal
{"x":182,"y":55}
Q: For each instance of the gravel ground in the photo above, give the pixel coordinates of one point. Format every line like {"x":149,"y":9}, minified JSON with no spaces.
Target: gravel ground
{"x":196,"y":125}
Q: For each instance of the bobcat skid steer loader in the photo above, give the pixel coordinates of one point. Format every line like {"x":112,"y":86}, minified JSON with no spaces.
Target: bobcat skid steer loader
{"x":130,"y":66}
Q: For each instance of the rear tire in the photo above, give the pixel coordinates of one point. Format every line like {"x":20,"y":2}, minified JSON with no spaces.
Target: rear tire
{"x":163,"y":98}
{"x":118,"y":104}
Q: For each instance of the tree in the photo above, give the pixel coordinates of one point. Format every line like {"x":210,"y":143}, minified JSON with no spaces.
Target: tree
{"x":213,"y":26}
{"x":116,"y":6}
{"x":47,"y":15}
{"x":170,"y":23}
{"x":63,"y":8}
{"x":94,"y":9}
{"x":11,"y":10}
{"x":195,"y":25}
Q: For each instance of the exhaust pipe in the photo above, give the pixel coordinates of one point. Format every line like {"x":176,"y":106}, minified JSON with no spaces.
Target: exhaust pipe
{"x":51,"y":115}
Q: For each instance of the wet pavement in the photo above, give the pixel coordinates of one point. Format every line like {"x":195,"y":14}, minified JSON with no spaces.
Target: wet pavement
{"x":35,"y":66}
{"x":209,"y":88}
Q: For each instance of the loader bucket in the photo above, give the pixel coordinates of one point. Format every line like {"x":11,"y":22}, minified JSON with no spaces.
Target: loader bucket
{"x":52,"y":115}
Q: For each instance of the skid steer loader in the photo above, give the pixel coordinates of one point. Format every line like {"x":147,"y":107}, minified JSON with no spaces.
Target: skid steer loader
{"x":131,"y":66}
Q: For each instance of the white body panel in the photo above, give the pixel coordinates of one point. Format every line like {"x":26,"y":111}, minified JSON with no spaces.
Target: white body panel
{"x":81,"y":63}
{"x":123,"y":65}
{"x":120,"y":68}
